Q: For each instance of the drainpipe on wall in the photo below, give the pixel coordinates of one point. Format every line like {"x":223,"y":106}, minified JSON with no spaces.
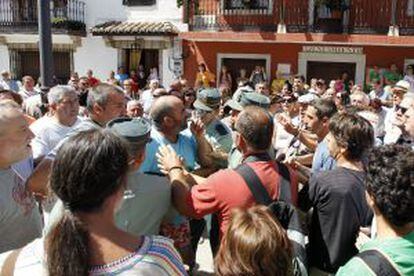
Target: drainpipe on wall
{"x":394,"y":29}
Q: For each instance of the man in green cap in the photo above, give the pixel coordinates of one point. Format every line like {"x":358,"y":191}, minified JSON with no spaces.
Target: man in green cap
{"x":147,"y":198}
{"x":239,"y":101}
{"x":207,"y":107}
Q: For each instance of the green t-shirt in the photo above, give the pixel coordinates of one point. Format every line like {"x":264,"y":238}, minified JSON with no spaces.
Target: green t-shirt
{"x":399,"y":250}
{"x":392,"y":76}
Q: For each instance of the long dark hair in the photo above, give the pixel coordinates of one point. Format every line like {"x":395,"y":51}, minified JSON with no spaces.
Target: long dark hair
{"x":88,"y":168}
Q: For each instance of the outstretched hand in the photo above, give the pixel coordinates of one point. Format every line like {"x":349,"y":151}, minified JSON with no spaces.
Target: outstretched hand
{"x":286,"y":122}
{"x":168,"y":158}
{"x":197,"y":126}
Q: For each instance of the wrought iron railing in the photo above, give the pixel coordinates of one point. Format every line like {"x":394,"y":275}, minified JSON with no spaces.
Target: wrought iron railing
{"x":358,"y":16}
{"x":22,"y":15}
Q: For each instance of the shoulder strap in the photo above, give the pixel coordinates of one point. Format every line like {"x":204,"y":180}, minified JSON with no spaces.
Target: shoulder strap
{"x":378,"y":263}
{"x":255,"y":185}
{"x":285,"y":190}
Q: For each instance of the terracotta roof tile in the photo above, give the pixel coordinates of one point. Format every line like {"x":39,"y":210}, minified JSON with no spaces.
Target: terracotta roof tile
{"x":135,"y":28}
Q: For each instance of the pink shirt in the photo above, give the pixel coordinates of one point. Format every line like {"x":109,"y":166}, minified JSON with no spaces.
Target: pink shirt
{"x":226,"y":190}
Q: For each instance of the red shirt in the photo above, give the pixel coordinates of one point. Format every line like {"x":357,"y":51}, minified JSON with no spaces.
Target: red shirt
{"x":93,"y":81}
{"x":226,"y":190}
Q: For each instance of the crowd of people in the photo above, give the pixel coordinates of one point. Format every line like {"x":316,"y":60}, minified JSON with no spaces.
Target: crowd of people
{"x":125,"y":176}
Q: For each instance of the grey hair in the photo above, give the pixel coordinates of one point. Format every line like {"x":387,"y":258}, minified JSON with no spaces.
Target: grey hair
{"x":99,"y":94}
{"x":364,"y":96}
{"x":57,"y":93}
{"x":132,"y":102}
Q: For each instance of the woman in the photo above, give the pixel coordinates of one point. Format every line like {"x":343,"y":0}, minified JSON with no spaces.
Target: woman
{"x":254,"y":244}
{"x":338,"y":195}
{"x":85,"y":241}
{"x":409,"y":76}
{"x":225,"y":79}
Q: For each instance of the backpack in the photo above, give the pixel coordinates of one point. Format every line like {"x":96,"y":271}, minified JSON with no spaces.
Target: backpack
{"x":378,"y":263}
{"x":282,"y":209}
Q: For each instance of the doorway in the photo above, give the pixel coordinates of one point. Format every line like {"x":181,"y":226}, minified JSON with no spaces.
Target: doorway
{"x":149,"y":58}
{"x":329,"y":70}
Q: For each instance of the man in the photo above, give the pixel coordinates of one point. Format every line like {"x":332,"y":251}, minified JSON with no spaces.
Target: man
{"x":218,"y":134}
{"x":83,"y":86}
{"x":398,"y":133}
{"x":378,"y":92}
{"x":408,"y":123}
{"x":299,"y":85}
{"x":316,"y":120}
{"x":147,"y":96}
{"x":105,"y":102}
{"x":390,"y":194}
{"x":7,"y":83}
{"x":20,"y":220}
{"x":28,"y":89}
{"x":359,"y":99}
{"x":130,"y":94}
{"x":226,"y":189}
{"x":50,"y":130}
{"x":398,"y":92}
{"x":134,"y":109}
{"x":169,"y":119}
{"x":262,"y":88}
{"x":92,"y":80}
{"x":121,"y":75}
{"x":238,"y":103}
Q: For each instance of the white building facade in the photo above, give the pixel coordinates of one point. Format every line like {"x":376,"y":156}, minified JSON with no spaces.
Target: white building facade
{"x":101,"y":35}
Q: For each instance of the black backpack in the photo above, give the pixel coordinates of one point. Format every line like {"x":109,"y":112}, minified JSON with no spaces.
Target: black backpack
{"x":282,"y":209}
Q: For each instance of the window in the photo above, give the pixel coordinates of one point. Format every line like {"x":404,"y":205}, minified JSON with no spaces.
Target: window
{"x":246,"y":4}
{"x":138,"y":2}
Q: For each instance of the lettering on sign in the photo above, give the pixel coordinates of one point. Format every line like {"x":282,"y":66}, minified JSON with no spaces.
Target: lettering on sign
{"x":333,"y":49}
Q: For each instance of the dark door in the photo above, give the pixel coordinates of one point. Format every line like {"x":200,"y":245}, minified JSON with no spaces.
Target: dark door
{"x":235,"y":64}
{"x":329,"y":70}
{"x":147,"y":57}
{"x":30,"y":65}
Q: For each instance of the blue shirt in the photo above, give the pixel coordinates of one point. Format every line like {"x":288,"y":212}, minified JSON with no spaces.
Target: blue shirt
{"x":186,"y":147}
{"x":322,"y":160}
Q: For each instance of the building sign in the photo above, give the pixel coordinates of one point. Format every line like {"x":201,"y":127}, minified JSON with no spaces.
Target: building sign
{"x":333,"y":50}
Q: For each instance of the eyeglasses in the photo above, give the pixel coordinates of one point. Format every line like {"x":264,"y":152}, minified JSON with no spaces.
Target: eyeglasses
{"x":399,"y":107}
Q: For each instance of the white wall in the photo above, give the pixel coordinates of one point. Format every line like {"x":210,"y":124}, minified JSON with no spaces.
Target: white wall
{"x":95,"y":55}
{"x":163,"y":10}
{"x":4,"y":58}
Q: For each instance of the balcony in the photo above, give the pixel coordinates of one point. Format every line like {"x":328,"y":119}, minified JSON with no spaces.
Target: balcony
{"x":298,"y":16}
{"x":67,"y":17}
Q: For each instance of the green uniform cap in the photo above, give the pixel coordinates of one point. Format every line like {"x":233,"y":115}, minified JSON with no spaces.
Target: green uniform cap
{"x":208,"y":99}
{"x":135,"y":130}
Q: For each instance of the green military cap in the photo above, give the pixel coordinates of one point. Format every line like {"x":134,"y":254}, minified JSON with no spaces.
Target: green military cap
{"x":208,"y":99}
{"x":255,"y":99}
{"x":234,"y":102}
{"x":134,"y":130}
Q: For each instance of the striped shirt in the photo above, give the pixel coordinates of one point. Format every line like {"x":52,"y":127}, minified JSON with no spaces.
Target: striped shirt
{"x":156,"y":257}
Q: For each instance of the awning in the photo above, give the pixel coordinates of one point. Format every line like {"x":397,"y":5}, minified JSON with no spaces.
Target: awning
{"x":135,"y":28}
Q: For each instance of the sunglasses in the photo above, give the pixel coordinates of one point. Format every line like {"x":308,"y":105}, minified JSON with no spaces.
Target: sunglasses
{"x":403,"y":109}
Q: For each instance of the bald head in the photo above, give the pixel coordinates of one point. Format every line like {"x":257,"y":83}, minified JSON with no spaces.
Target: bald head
{"x":256,"y":127}
{"x":164,"y":106}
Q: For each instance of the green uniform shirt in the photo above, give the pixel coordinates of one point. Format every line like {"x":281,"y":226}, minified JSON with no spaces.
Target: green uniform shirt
{"x":399,"y":250}
{"x":219,"y":136}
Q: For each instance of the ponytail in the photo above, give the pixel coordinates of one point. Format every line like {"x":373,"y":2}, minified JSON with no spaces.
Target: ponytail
{"x":67,"y":247}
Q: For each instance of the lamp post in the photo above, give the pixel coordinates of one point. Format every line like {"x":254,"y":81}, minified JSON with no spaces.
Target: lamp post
{"x":45,"y":43}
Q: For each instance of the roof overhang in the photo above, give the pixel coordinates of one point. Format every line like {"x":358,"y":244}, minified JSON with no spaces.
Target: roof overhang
{"x":135,"y":28}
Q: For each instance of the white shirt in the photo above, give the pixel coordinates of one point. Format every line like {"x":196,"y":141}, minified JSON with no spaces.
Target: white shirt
{"x":27,"y":94}
{"x":48,"y":133}
{"x":147,"y":100}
